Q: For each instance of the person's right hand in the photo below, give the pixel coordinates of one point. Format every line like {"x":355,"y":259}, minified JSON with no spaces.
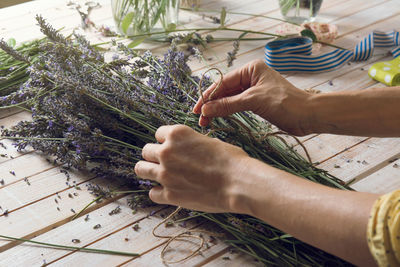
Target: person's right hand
{"x":258,"y":88}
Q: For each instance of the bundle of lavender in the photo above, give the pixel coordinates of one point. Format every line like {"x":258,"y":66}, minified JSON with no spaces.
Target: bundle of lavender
{"x":89,"y":111}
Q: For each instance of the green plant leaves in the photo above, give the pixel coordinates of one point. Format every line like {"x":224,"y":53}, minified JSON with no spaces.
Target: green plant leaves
{"x":136,"y":42}
{"x":127,"y":21}
{"x":223,"y":16}
{"x":309,"y":33}
{"x":11,"y":42}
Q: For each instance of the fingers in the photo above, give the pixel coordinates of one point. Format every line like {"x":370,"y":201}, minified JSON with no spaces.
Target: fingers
{"x":147,"y":170}
{"x":162,"y":133}
{"x":156,"y":195}
{"x":234,"y":82}
{"x":150,"y":152}
{"x":228,"y":105}
{"x":206,"y":93}
{"x":204,"y":121}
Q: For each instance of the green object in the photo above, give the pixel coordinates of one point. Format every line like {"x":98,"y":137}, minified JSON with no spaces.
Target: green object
{"x":299,"y":11}
{"x":386,"y":72}
{"x":144,"y":16}
{"x":309,"y":33}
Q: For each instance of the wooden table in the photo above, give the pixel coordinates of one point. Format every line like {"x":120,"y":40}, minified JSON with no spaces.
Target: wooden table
{"x":371,"y":162}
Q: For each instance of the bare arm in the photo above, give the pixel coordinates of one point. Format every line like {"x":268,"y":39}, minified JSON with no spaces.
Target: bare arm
{"x":256,"y":87}
{"x":202,"y":173}
{"x":370,"y":112}
{"x":327,"y":218}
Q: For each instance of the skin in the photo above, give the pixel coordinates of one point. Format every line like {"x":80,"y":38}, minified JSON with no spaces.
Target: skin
{"x":202,"y":173}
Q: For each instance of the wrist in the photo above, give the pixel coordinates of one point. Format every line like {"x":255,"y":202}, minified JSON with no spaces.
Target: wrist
{"x":248,"y":186}
{"x":314,"y":107}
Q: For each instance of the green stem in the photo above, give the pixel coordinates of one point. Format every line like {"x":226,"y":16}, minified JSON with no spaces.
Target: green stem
{"x":93,"y":250}
{"x":100,"y":197}
{"x":87,"y":206}
{"x":239,"y":13}
{"x":205,"y":29}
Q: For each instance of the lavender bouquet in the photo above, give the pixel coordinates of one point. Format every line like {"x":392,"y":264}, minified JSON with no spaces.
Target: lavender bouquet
{"x":89,"y":112}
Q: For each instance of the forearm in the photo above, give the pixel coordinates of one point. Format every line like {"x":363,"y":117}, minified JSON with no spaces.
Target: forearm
{"x":371,"y":112}
{"x":330,"y":219}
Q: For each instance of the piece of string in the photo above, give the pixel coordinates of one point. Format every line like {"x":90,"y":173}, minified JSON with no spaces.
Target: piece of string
{"x":187,"y":233}
{"x":180,"y":236}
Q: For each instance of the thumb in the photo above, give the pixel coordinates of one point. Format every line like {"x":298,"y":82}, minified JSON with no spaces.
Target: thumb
{"x":225,"y":106}
{"x":156,"y":195}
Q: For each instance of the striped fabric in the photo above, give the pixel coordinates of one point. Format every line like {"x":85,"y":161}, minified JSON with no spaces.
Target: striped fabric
{"x":294,"y":54}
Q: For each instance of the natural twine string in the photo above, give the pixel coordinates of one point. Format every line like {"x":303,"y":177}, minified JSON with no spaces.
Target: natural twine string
{"x":188,"y":233}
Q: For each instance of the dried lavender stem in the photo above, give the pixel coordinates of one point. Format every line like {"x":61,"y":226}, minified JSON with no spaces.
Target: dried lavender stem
{"x":92,"y":250}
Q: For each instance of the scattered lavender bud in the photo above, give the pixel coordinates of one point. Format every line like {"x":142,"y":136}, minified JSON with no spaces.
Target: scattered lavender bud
{"x":86,"y":218}
{"x":75,"y":241}
{"x":12,"y":172}
{"x":97,"y":226}
{"x":2,"y":182}
{"x":27,"y":181}
{"x":115,"y":211}
{"x":136,"y":227}
{"x":3,"y":145}
{"x":73,"y":211}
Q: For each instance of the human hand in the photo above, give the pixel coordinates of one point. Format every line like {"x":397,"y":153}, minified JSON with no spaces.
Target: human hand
{"x":194,"y":171}
{"x":258,"y":88}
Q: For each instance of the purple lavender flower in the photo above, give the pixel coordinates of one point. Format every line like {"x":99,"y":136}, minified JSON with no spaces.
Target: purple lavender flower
{"x":182,"y":224}
{"x":50,"y":124}
{"x":115,"y":57}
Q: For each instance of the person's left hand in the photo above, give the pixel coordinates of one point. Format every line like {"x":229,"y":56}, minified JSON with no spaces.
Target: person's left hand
{"x":194,"y":171}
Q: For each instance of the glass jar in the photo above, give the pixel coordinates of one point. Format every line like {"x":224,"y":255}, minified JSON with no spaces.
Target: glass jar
{"x":299,"y":11}
{"x":143,"y":16}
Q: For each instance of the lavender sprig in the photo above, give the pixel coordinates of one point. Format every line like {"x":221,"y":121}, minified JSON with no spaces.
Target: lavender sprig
{"x":95,"y":113}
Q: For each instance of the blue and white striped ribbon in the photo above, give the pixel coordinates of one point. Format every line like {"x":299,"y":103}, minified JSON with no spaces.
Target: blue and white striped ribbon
{"x":294,"y":54}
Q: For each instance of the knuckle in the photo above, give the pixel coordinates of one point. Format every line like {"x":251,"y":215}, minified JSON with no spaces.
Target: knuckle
{"x":178,"y":131}
{"x":257,"y":63}
{"x":165,"y":152}
{"x":163,"y":176}
{"x":226,"y":107}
